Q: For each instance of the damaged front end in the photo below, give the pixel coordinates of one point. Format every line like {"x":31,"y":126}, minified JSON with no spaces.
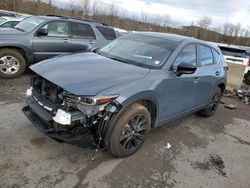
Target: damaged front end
{"x":67,"y":117}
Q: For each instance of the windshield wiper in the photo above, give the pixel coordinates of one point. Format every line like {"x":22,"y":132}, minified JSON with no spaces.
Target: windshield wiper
{"x":17,"y":28}
{"x":117,"y":59}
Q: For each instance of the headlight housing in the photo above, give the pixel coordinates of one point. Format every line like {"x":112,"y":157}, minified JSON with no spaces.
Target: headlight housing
{"x":99,"y":100}
{"x":90,"y":105}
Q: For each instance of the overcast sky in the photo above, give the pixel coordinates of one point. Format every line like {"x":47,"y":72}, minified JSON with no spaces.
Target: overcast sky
{"x":183,"y":12}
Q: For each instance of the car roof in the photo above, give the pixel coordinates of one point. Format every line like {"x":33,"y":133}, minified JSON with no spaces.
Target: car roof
{"x":176,"y":38}
{"x":12,"y":18}
{"x":167,"y":36}
{"x":56,"y":17}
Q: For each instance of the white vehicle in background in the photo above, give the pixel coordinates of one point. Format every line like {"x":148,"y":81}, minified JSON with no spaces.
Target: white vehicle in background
{"x":237,"y":56}
{"x":10,"y":22}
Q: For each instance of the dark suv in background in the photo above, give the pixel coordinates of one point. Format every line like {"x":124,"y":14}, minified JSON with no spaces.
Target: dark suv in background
{"x":42,"y":37}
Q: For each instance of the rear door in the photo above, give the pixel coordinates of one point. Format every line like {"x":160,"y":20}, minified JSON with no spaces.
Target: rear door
{"x":208,"y":73}
{"x":57,"y":42}
{"x":83,"y":37}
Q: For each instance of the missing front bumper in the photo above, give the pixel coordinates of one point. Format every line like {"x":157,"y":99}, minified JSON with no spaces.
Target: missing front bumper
{"x":43,"y":121}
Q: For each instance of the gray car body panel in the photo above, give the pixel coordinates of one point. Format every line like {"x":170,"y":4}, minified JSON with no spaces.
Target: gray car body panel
{"x":37,"y":48}
{"x":173,"y":95}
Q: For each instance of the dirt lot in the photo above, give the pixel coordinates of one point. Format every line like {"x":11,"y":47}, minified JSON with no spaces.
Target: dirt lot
{"x":204,"y":152}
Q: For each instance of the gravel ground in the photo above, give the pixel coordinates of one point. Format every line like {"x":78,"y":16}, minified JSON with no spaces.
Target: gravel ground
{"x":204,"y":152}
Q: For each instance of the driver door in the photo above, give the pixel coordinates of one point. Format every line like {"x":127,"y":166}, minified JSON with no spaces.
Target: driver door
{"x":56,"y":42}
{"x":179,"y":91}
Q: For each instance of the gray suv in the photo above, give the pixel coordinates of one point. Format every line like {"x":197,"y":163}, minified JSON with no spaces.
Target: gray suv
{"x":137,"y":82}
{"x":42,"y":37}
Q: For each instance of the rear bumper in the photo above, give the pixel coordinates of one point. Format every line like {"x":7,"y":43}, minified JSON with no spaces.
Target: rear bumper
{"x":42,"y":120}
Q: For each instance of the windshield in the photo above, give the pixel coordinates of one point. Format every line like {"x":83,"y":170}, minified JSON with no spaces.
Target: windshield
{"x":30,"y":24}
{"x":2,"y":20}
{"x":140,"y":50}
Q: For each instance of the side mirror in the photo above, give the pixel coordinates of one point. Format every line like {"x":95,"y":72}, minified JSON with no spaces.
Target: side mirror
{"x":42,"y":32}
{"x":185,"y":68}
{"x":95,"y":50}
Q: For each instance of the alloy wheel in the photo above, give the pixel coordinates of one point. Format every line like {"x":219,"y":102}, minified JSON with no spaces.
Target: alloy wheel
{"x":9,"y":64}
{"x":133,"y":133}
{"x":214,"y":102}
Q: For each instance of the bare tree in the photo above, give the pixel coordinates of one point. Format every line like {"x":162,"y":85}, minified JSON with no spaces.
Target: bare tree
{"x":204,"y":22}
{"x":85,"y":7}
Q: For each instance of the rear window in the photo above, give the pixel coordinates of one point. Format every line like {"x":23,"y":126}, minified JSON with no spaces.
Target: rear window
{"x":233,"y":52}
{"x":108,"y":33}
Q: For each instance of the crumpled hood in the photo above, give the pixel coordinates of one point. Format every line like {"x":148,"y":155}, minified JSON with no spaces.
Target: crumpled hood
{"x":87,"y":74}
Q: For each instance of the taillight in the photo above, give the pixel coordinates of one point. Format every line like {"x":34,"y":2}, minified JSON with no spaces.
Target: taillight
{"x":248,"y":64}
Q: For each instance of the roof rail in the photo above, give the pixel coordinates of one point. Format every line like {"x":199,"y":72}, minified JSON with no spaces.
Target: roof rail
{"x":66,"y":17}
{"x":52,"y":15}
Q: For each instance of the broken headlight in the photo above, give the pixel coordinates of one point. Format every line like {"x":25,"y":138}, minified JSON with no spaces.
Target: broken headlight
{"x":91,"y":105}
{"x":99,"y":100}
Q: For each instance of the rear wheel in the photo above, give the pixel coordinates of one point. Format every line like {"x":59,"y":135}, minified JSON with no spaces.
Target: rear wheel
{"x":12,"y":63}
{"x":130,"y":131}
{"x":213,"y":103}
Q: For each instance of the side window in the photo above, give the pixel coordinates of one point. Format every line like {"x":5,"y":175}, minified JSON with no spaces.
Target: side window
{"x":206,"y":55}
{"x":216,"y":56}
{"x":187,"y":55}
{"x":108,"y":33}
{"x":79,"y":30}
{"x":7,"y":24}
{"x":57,"y":29}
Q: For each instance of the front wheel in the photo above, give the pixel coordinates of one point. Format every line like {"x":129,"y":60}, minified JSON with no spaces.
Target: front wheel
{"x":213,"y":103}
{"x":12,"y":63}
{"x":130,"y":131}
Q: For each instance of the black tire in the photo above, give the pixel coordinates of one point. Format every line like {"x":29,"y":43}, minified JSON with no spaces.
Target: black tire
{"x":247,"y":77}
{"x":213,"y":103}
{"x":15,"y":67}
{"x":127,"y":137}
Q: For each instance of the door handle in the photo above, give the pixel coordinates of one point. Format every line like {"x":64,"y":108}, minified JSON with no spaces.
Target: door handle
{"x":92,"y":42}
{"x":65,"y":40}
{"x":217,"y":73}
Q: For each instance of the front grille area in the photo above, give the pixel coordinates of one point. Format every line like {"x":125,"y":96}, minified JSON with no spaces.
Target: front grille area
{"x":46,"y":90}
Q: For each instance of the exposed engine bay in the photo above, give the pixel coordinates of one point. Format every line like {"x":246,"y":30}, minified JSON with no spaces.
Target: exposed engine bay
{"x":66,"y":117}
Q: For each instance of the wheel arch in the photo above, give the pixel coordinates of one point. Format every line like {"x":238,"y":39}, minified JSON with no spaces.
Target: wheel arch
{"x":148,"y":100}
{"x":24,"y":51}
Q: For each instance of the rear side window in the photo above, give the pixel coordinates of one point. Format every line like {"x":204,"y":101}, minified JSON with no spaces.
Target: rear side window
{"x":108,"y":33}
{"x":79,"y":30}
{"x":216,"y":56}
{"x":206,"y":55}
{"x":187,"y":55}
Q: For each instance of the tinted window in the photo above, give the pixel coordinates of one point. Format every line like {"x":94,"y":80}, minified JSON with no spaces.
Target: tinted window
{"x":57,"y":29}
{"x":108,"y":33}
{"x":206,"y":56}
{"x":216,"y":56}
{"x":79,"y":30}
{"x":233,"y":52}
{"x":187,"y":55}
